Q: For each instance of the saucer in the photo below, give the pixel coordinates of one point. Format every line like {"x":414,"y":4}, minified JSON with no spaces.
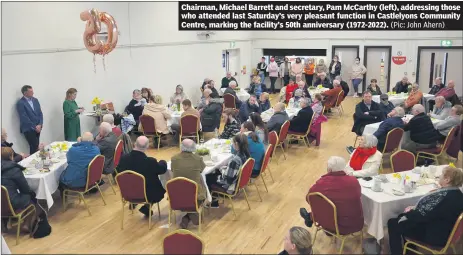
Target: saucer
{"x":381,"y":190}
{"x":398,"y":192}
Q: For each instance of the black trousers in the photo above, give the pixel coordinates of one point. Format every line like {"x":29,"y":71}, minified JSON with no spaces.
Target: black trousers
{"x":397,"y":232}
{"x":431,"y":104}
{"x":286,"y":80}
{"x":33,"y":138}
{"x":272,"y":84}
{"x":309,"y":79}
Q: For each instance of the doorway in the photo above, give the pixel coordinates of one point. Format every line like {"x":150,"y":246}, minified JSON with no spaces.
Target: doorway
{"x":444,"y":62}
{"x":347,"y":55}
{"x":377,"y":60}
{"x":231,"y":62}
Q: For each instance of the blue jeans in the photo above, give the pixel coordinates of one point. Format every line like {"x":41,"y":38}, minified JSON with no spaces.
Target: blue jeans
{"x":262,"y":78}
{"x":355,"y":84}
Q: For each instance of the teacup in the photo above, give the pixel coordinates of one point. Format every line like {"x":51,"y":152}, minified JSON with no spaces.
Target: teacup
{"x":215,"y":158}
{"x":376,"y":185}
{"x":407,"y":188}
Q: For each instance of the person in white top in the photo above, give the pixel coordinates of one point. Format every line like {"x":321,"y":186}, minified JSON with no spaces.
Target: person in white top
{"x":272,"y":70}
{"x":366,"y":159}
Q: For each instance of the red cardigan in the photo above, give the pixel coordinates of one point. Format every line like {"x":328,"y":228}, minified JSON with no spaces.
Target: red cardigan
{"x":290,"y":89}
{"x":344,"y":192}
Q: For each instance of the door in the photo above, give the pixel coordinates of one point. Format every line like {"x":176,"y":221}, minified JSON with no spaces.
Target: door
{"x":234,"y":63}
{"x":445,"y":63}
{"x":347,"y":55}
{"x":377,"y":60}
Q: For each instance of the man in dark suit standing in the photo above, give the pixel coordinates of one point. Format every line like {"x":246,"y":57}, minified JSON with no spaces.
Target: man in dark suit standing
{"x":366,"y":112}
{"x":30,"y":117}
{"x":300,"y":123}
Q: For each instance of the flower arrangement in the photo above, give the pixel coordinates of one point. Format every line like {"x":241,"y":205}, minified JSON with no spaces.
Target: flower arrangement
{"x":202,"y":151}
{"x":399,"y":176}
{"x":60,"y":146}
{"x":452,"y":165}
{"x":97,"y":101}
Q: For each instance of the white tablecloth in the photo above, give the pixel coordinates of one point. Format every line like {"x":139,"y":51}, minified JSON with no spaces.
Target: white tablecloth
{"x":176,"y":115}
{"x":379,"y":207}
{"x":317,"y":91}
{"x":220,"y":156}
{"x":45,"y":184}
{"x":269,"y":113}
{"x":5,"y":249}
{"x":243,"y":95}
{"x":371,"y":128}
{"x":397,"y":99}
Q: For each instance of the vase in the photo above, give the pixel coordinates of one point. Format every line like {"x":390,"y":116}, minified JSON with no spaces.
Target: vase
{"x":97,"y":109}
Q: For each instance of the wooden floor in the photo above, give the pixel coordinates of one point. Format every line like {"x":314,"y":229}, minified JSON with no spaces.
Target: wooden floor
{"x":257,"y":231}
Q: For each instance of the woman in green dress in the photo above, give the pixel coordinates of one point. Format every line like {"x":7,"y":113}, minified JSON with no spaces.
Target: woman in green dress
{"x":71,"y":116}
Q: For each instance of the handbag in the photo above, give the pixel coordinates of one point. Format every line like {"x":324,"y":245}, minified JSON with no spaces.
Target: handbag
{"x":41,"y":228}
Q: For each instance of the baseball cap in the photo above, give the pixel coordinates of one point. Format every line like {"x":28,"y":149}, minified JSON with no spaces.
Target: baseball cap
{"x":383,"y":96}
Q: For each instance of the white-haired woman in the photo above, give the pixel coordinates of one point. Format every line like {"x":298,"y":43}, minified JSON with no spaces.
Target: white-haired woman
{"x":294,"y":101}
{"x":366,"y":159}
{"x":178,"y":96}
{"x":109,"y":118}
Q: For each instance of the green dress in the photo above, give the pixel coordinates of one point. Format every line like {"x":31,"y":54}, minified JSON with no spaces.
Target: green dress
{"x":71,"y":121}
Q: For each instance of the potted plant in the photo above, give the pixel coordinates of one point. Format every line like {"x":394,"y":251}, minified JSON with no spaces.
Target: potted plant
{"x":204,"y":153}
{"x":97,"y":105}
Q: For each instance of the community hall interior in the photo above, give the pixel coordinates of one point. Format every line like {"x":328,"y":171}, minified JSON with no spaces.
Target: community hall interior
{"x":139,"y":138}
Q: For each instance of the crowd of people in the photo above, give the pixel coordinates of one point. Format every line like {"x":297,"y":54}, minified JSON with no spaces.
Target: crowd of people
{"x":249,"y":136}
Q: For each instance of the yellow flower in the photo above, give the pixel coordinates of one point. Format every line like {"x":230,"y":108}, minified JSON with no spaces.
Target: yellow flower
{"x":97,"y":100}
{"x":451,"y":164}
{"x":396,"y":175}
{"x":227,"y":142}
{"x":407,"y":177}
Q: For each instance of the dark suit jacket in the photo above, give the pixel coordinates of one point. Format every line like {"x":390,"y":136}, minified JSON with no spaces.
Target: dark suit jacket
{"x":28,"y":118}
{"x":421,"y":129}
{"x":399,"y":87}
{"x":345,"y":88}
{"x":300,"y":122}
{"x":361,"y":119}
{"x":233,"y":92}
{"x":150,"y":168}
{"x":386,"y":126}
{"x":325,"y":83}
{"x":107,"y":147}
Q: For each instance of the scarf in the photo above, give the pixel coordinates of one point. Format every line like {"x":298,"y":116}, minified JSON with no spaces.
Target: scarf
{"x":360,"y":156}
{"x":430,"y":201}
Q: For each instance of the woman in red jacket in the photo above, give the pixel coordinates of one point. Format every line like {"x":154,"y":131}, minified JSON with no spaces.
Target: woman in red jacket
{"x":290,"y":88}
{"x":344,"y":191}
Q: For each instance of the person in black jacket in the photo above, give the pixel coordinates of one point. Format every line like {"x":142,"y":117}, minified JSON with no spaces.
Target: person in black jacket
{"x":211,"y":113}
{"x":278,"y":118}
{"x":17,"y":157}
{"x":335,"y":68}
{"x":227,"y":79}
{"x":438,"y":85}
{"x":14,"y":181}
{"x":385,"y":105}
{"x":262,"y":69}
{"x":394,"y":121}
{"x":422,"y":132}
{"x":344,"y":85}
{"x":231,"y":90}
{"x":249,"y":107}
{"x":149,"y":167}
{"x":432,"y":219}
{"x":322,"y":80}
{"x":135,"y":106}
{"x":300,"y":123}
{"x":402,"y":85}
{"x":366,"y":112}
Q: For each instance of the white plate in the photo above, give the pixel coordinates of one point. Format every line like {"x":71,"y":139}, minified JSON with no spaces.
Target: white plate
{"x":398,"y":192}
{"x":417,"y":170}
{"x":55,"y":160}
{"x":367,"y":184}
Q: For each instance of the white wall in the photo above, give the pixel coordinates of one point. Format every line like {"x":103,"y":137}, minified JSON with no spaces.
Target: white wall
{"x":405,"y":41}
{"x":160,"y":58}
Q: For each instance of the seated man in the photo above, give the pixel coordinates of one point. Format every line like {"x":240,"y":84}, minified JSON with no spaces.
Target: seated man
{"x":189,"y":165}
{"x":394,"y":121}
{"x":453,"y":120}
{"x":344,"y":192}
{"x":227,"y":79}
{"x":248,"y":107}
{"x":109,"y":118}
{"x":187,"y":110}
{"x":441,"y":109}
{"x":385,"y":106}
{"x":149,"y":167}
{"x":344,"y":85}
{"x":366,"y":112}
{"x":278,"y":118}
{"x":300,"y":123}
{"x":231,"y":90}
{"x":331,"y":95}
{"x":79,"y":157}
{"x":402,"y":85}
{"x":422,"y":132}
{"x":106,"y":141}
{"x":447,"y":92}
{"x":211,"y":115}
{"x":438,"y":85}
{"x":414,"y":97}
{"x":16,"y":157}
{"x":323,"y":80}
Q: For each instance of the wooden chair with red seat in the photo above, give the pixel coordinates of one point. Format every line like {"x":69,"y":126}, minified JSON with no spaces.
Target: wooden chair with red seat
{"x":393,"y":140}
{"x":94,"y":174}
{"x":402,"y":160}
{"x":264,"y":166}
{"x":189,"y":128}
{"x":318,"y":127}
{"x":434,"y":153}
{"x":301,"y":136}
{"x":182,"y":242}
{"x":338,"y":105}
{"x":454,"y":147}
{"x":182,"y":194}
{"x":9,"y":213}
{"x":132,"y":186}
{"x":117,"y":158}
{"x":273,"y":140}
{"x":229,"y":101}
{"x":282,"y":136}
{"x":149,"y":128}
{"x":454,"y":237}
{"x":244,"y":176}
{"x":325,"y":218}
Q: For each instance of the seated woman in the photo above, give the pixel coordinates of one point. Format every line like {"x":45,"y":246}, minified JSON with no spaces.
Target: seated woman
{"x":294,"y":101}
{"x":225,"y":178}
{"x":17,"y":157}
{"x":414,"y":97}
{"x":136,"y":105}
{"x":454,"y":119}
{"x":366,"y":159}
{"x":297,"y":241}
{"x":305,"y":89}
{"x":255,"y":145}
{"x":432,"y":219}
{"x":374,"y":88}
{"x":261,"y":129}
{"x":290,"y":88}
{"x":282,"y":98}
{"x":318,"y":118}
{"x":232,"y":124}
{"x":264,"y":102}
{"x":146,"y":94}
{"x":178,"y":96}
{"x":159,"y":113}
{"x":257,"y":87}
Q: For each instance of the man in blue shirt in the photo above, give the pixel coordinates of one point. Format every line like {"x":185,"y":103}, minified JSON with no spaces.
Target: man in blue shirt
{"x":30,"y":117}
{"x":394,"y":121}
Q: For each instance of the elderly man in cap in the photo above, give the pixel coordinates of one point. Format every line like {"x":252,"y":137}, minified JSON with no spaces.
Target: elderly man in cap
{"x":227,"y":79}
{"x":384,"y":105}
